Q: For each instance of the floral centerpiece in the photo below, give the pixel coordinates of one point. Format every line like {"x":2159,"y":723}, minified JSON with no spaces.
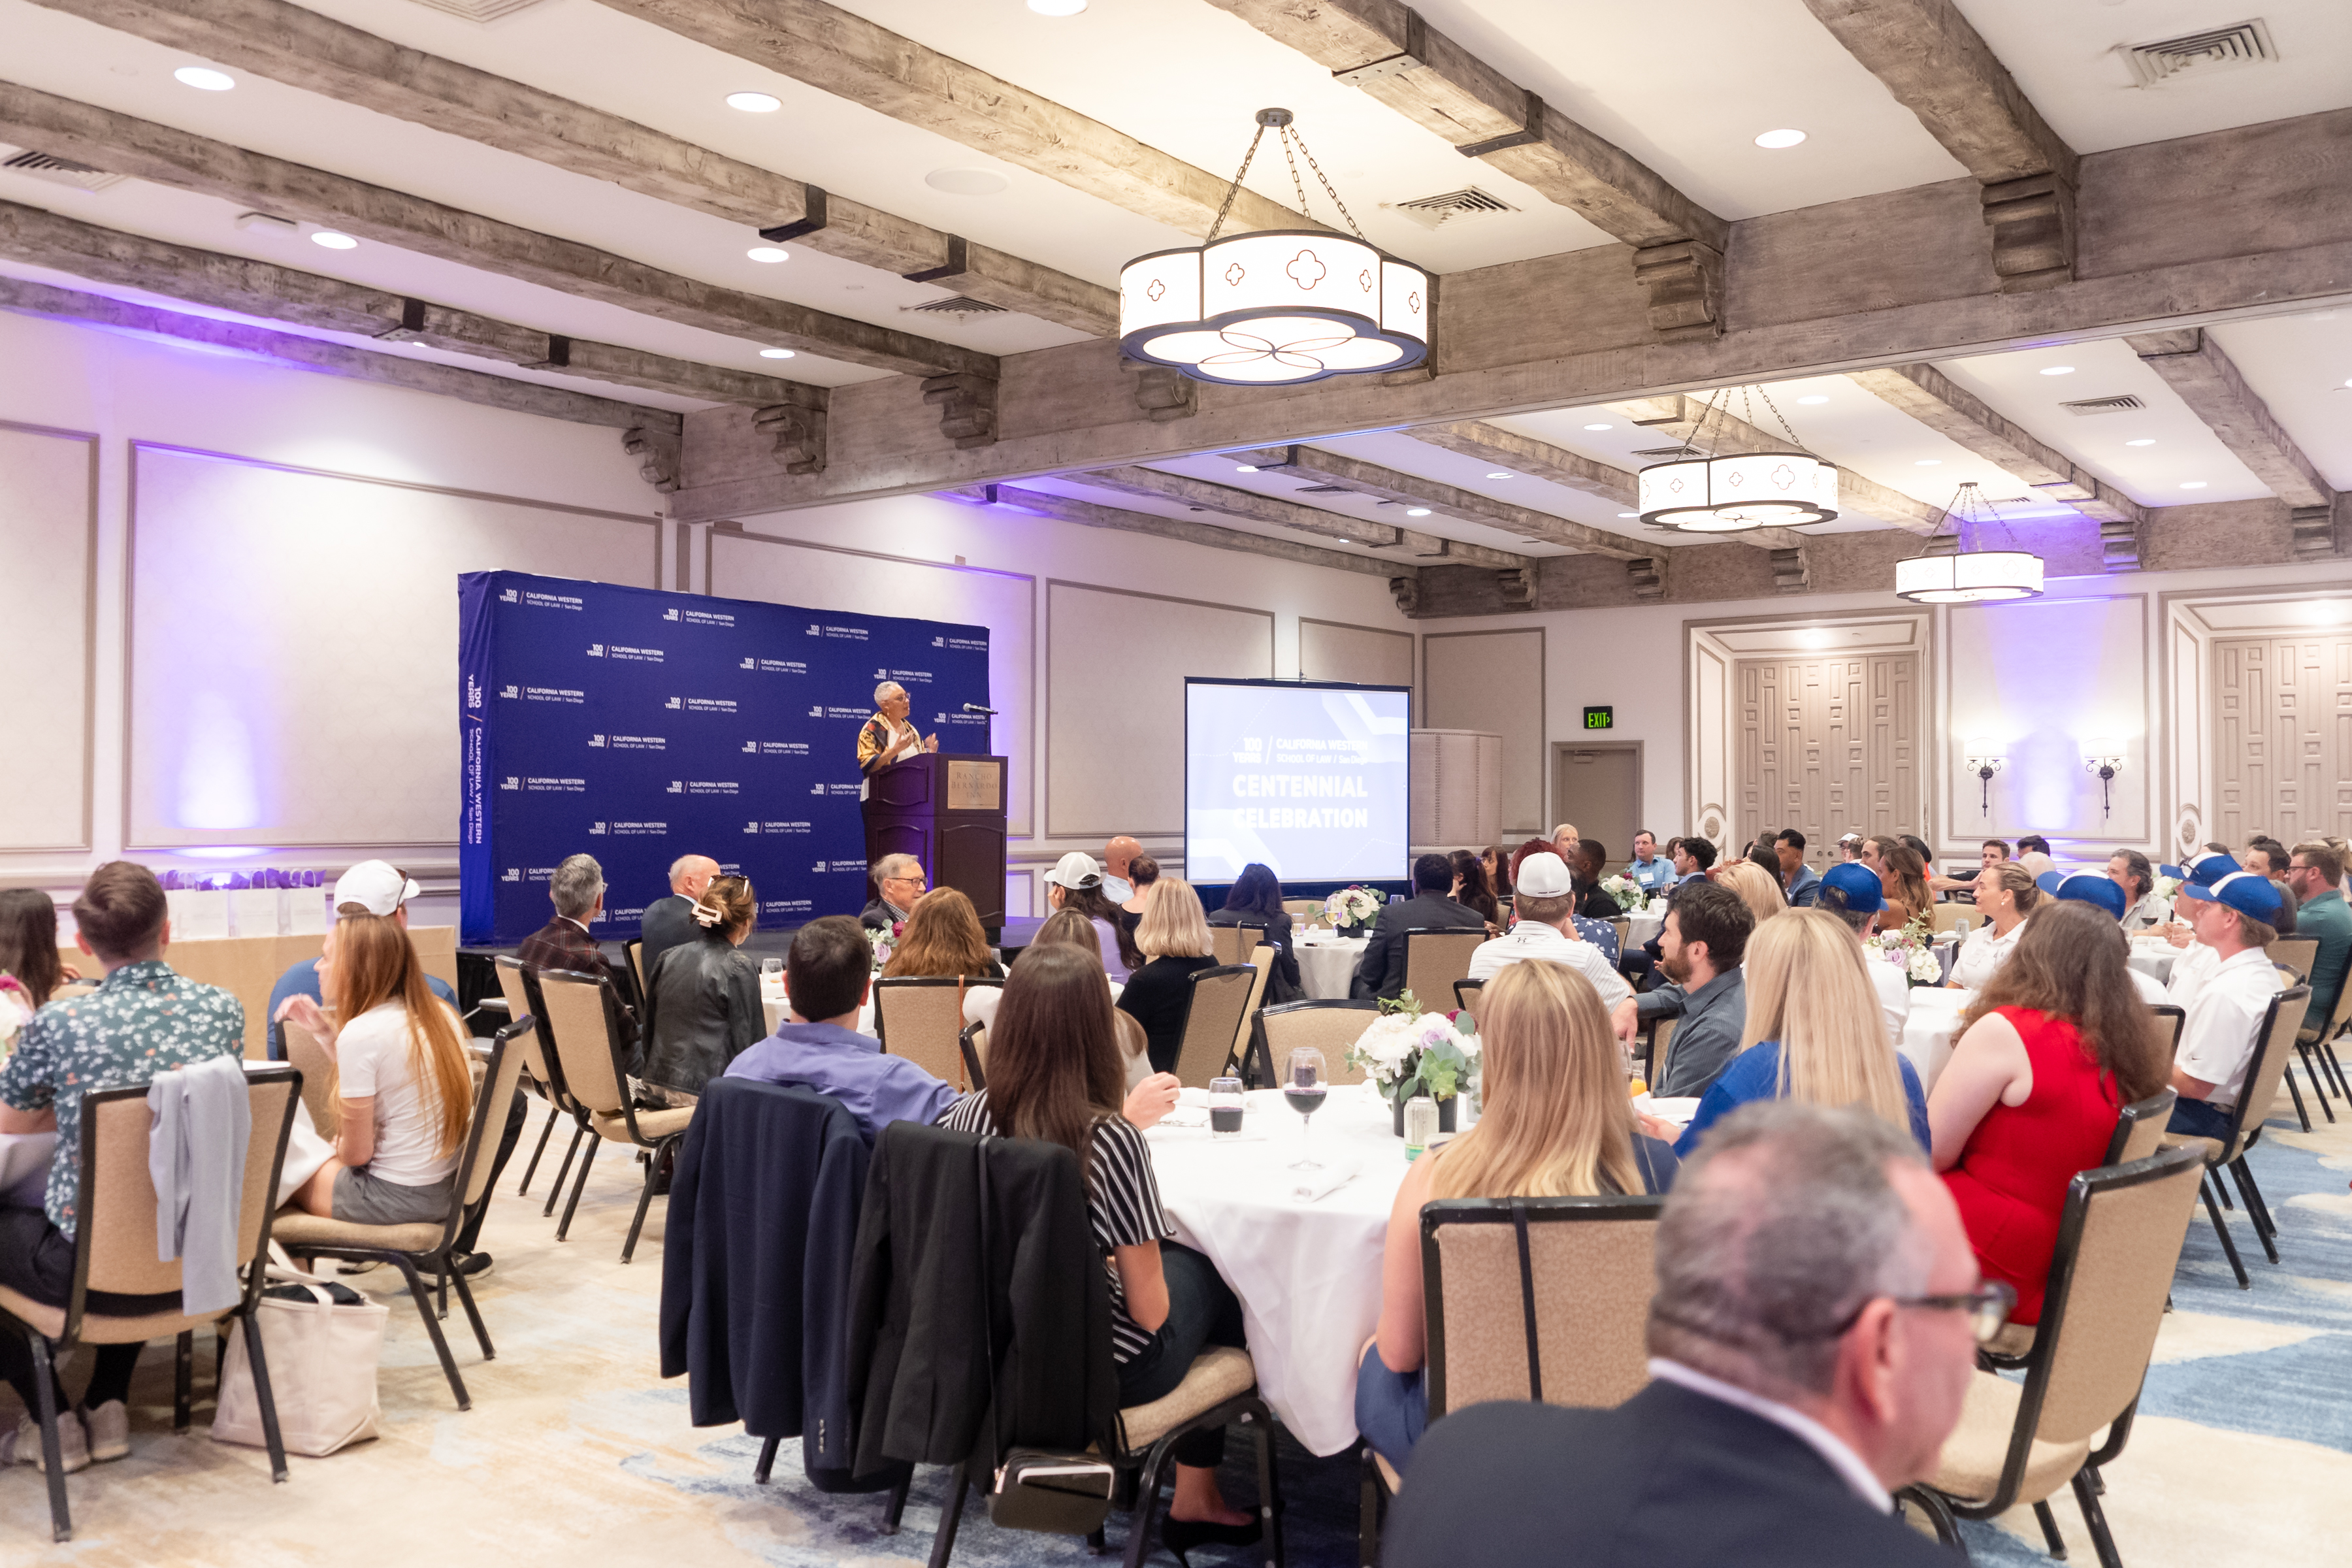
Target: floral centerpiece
{"x":1910,"y":951}
{"x":1406,"y":1052}
{"x":884,"y":941}
{"x":1352,"y":907}
{"x":2163,"y":887}
{"x":1628,"y":892}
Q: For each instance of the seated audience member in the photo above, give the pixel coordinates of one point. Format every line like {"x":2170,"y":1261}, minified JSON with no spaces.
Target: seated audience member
{"x":1802,"y":883}
{"x":577,"y":891}
{"x":943,"y":940}
{"x":2225,"y":1014}
{"x":142,"y":1020}
{"x":1591,"y":861}
{"x":1848,"y":846}
{"x":1553,"y":1121}
{"x":2055,"y":1046}
{"x":1067,"y":928}
{"x":2283,"y":922}
{"x":828,"y":972}
{"x":898,"y":881}
{"x":1498,"y":872}
{"x":2264,"y":856}
{"x":669,"y":922}
{"x":1903,"y":878}
{"x":1471,"y":890}
{"x":1543,"y":905}
{"x":1992,"y":852}
{"x":1380,"y":971}
{"x":2195,"y":958}
{"x":2130,"y":871}
{"x":2314,"y":869}
{"x":1076,"y":883}
{"x":1054,"y":1074}
{"x":1705,"y":939}
{"x":1141,"y":872}
{"x":370,"y":888}
{"x":2033,"y":843}
{"x":1564,"y":840}
{"x":403,"y":1080}
{"x":2005,"y":895}
{"x":2102,"y":894}
{"x":30,"y":968}
{"x":1693,"y":859}
{"x":1811,"y":1033}
{"x":1757,"y":887}
{"x":1766,"y":857}
{"x":1651,"y":871}
{"x":1119,"y":866}
{"x":1174,"y":939}
{"x":1856,"y":895}
{"x":1255,"y":897}
{"x":1811,"y":1343}
{"x":702,"y":999}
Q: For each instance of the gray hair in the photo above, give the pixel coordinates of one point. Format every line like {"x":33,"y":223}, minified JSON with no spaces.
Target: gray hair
{"x":576,"y":885}
{"x":891,"y":866}
{"x":882,"y":692}
{"x":1785,"y":1222}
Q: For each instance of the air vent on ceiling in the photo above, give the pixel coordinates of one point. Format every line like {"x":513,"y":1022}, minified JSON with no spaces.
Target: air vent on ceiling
{"x":2200,"y":53}
{"x":955,"y":305}
{"x":1468,"y":202}
{"x":60,"y":170}
{"x":479,"y":10}
{"x":2123,"y":403}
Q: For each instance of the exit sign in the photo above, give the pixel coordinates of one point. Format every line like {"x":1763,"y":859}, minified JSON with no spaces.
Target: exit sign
{"x":1600,"y":718}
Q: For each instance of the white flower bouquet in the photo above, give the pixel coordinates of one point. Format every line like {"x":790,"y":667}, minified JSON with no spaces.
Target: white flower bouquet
{"x":885,"y":942}
{"x":1355,"y":905}
{"x":2163,"y":887}
{"x":1626,"y":891}
{"x":1910,"y":951}
{"x":1406,"y":1051}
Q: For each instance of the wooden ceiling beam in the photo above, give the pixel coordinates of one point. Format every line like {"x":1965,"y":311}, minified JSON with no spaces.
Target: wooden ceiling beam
{"x":848,"y":56}
{"x":1094,"y":514}
{"x":1426,"y":549}
{"x":1935,"y":400}
{"x":302,"y":48}
{"x":2209,"y":380}
{"x":121,"y":143}
{"x":1680,"y":415}
{"x":1442,"y":500}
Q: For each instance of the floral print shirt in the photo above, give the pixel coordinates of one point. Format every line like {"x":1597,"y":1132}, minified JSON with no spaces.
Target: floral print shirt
{"x":142,"y":1020}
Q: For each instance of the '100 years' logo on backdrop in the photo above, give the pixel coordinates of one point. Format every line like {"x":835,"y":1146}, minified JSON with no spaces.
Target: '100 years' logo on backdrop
{"x":639,"y":726}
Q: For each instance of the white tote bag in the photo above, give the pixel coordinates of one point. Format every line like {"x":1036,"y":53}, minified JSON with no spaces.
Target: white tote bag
{"x":322,"y":1360}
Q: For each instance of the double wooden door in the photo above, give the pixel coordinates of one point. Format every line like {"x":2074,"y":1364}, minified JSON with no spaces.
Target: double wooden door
{"x":2282,"y":733}
{"x":1827,"y":746}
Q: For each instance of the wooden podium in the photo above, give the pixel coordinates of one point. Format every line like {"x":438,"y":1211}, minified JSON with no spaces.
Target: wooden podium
{"x":947,"y":812}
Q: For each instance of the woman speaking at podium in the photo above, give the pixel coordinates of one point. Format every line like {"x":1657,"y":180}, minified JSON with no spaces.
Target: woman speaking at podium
{"x":887,"y":737}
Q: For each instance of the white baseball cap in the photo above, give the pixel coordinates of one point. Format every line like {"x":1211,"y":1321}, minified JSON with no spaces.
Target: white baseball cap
{"x":1076,"y":870}
{"x":1543,"y":876}
{"x":376,"y":886}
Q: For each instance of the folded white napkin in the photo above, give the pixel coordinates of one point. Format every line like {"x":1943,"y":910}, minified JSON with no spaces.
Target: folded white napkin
{"x":1308,"y":1185}
{"x":1677,"y":1108}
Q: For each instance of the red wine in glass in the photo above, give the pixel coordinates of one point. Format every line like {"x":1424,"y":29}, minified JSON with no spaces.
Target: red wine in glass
{"x":1303,"y":1086}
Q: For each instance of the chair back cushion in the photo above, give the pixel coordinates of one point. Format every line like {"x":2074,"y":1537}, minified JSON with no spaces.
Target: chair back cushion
{"x":1212,"y":1021}
{"x":574,"y":1014}
{"x":2298,"y":953}
{"x":1262,"y":960}
{"x":1234,"y":943}
{"x":2169,"y":1021}
{"x":2139,"y":1130}
{"x":2274,"y":1048}
{"x":491,"y":1109}
{"x":1332,"y":1027}
{"x":1468,"y":995}
{"x":1948,"y":917}
{"x":1434,"y":960}
{"x":920,"y":1019}
{"x":518,"y":1005}
{"x":117,"y":1207}
{"x":306,"y":1055}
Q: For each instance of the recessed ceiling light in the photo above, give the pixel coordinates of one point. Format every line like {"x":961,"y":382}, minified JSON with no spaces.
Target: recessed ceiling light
{"x":1601,"y":426}
{"x":333,"y":241}
{"x":1081,"y":9}
{"x":2143,"y":441}
{"x":754,"y":102}
{"x":767,"y":253}
{"x":967,"y":182}
{"x":1245,"y":468}
{"x":2192,"y":484}
{"x":1816,"y":397}
{"x":1416,"y":512}
{"x":1628,"y":514}
{"x":2057,"y":370}
{"x":1780,"y":139}
{"x":204,"y":78}
{"x":1498,"y":474}
{"x":775,"y":353}
{"x":1928,"y":463}
{"x":1057,"y":8}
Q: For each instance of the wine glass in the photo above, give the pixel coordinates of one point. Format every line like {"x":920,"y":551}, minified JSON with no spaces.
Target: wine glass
{"x":1303,"y":1085}
{"x":771,"y":971}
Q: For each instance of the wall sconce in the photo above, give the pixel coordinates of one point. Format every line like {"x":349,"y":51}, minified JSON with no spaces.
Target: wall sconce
{"x":1984,"y":760}
{"x":2104,"y":759}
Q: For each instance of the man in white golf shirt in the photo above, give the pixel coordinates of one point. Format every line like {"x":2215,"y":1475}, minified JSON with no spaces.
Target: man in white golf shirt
{"x":1546,"y":899}
{"x":2225,"y":1017}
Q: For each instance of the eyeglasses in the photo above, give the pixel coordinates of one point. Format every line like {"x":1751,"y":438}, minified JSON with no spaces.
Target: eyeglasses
{"x":1987,"y":1307}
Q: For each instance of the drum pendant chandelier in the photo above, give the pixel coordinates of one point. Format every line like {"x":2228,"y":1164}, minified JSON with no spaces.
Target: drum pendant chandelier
{"x":1278,"y":307}
{"x":1968,"y":575}
{"x":1731,"y":492}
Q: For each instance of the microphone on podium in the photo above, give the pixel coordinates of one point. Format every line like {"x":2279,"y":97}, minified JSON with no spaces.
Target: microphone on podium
{"x":976,"y":708}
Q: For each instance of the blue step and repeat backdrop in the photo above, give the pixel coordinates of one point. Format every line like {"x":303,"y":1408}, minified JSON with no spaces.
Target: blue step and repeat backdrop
{"x":639,"y":726}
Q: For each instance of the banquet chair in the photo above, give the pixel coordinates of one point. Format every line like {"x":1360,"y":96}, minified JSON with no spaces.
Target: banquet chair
{"x":636,"y":950}
{"x":114,"y":1251}
{"x":1624,"y":927}
{"x":1305,"y":911}
{"x":432,"y":1243}
{"x":1234,"y":943}
{"x":2120,"y":1240}
{"x":1949,"y":917}
{"x":582,"y":1015}
{"x":2272,"y":1041}
{"x":2296,"y":955}
{"x":1434,"y":960}
{"x":1662,"y":1044}
{"x":538,"y":1080}
{"x":919,"y":1018}
{"x":2317,"y":1039}
{"x":971,"y":1044}
{"x":1261,"y":958}
{"x":306,"y":1055}
{"x":1331,"y":1026}
{"x":1529,"y":1299}
{"x":1468,"y":995}
{"x":1216,"y":1005}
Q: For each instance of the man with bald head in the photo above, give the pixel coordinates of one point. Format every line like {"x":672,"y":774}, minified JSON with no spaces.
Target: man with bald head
{"x":1116,"y":856}
{"x":669,"y":922}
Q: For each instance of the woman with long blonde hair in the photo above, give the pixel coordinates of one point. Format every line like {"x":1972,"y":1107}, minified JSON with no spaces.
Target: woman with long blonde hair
{"x":1173,"y":937}
{"x":1904,"y":873}
{"x":1756,"y":888}
{"x":1554,"y":1122}
{"x":401,"y":1076}
{"x":1813,"y":1031}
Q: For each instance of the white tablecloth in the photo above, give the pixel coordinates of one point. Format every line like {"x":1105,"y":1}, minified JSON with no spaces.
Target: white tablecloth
{"x":774,"y":1003}
{"x":1325,"y":967}
{"x":2154,"y":956}
{"x":1308,"y":1274}
{"x":1645,"y":926}
{"x":1930,"y":1029}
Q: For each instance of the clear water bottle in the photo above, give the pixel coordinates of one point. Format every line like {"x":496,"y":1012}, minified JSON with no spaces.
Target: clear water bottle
{"x":1419,"y":1125}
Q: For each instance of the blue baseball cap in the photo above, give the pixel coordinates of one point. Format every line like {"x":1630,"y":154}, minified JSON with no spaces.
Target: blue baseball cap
{"x":1865,"y":894}
{"x":2084,"y":886}
{"x":2243,"y":891}
{"x":2203,"y":873}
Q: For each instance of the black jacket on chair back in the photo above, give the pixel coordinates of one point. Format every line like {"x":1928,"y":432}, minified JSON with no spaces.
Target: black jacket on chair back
{"x":763,"y":1209}
{"x":923,"y":1293}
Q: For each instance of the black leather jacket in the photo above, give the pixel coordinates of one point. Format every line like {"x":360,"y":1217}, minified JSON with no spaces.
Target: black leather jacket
{"x":702,"y":1010}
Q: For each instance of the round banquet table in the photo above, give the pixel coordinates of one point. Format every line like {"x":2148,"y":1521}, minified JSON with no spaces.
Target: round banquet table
{"x":1645,"y":926}
{"x":1308,"y":1269}
{"x":1325,"y":967}
{"x":1931,"y":1027}
{"x":774,"y":1003}
{"x":2154,"y":956}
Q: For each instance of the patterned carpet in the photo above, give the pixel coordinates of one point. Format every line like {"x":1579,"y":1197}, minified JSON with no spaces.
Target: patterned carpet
{"x":2242,"y":1456}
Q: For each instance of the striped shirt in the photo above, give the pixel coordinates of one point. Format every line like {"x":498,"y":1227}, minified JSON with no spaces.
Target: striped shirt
{"x":1122,"y":1203}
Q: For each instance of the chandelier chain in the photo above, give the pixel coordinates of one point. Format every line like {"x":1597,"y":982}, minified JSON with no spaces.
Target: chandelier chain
{"x":1234,"y":189}
{"x":1296,"y":183}
{"x":1329,"y":189}
{"x":1766,"y":393}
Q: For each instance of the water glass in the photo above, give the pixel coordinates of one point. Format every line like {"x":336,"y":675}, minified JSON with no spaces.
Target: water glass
{"x":771,"y":971}
{"x":1225,"y":1106}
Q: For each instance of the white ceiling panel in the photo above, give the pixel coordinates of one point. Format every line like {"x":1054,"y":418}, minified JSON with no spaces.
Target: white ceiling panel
{"x":2301,"y":365}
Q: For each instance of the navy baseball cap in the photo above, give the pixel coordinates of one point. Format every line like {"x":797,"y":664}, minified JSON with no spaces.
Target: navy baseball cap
{"x":2084,"y":886}
{"x":2204,"y":872}
{"x":2243,"y":891}
{"x":1864,"y":893}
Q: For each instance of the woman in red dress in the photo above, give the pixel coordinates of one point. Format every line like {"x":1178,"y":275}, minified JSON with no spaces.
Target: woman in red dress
{"x":2056,"y":1044}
